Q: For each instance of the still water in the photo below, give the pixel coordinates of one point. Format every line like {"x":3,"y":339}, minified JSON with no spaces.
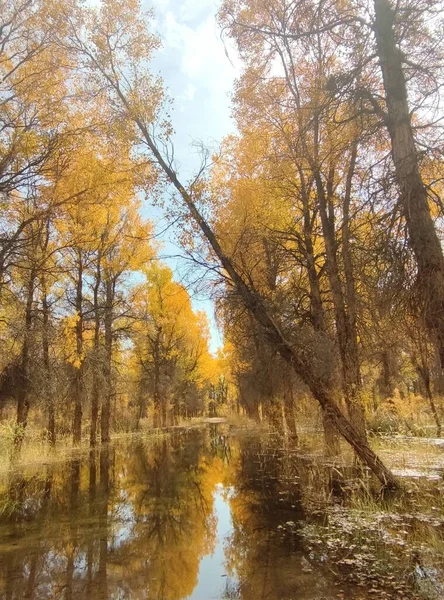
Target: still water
{"x":195,"y":515}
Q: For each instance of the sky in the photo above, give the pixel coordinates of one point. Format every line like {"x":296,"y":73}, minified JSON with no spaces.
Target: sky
{"x":199,"y":70}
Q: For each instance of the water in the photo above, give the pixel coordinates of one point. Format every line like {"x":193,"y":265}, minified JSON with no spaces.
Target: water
{"x":195,"y":515}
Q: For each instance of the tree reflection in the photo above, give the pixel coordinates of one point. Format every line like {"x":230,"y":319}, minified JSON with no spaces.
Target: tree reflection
{"x":137,"y":530}
{"x":264,"y":551}
{"x":170,"y":488}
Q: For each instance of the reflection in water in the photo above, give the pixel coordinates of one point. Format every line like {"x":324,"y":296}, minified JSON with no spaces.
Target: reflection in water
{"x":196,"y":515}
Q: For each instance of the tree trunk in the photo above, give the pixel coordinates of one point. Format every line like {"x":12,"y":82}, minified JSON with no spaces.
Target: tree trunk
{"x":95,"y":396}
{"x":47,"y":366}
{"x":317,"y":310}
{"x":388,"y":375}
{"x":413,"y":194}
{"x":347,"y":341}
{"x":424,"y":372}
{"x":332,"y":446}
{"x":352,"y":366}
{"x":331,"y":438}
{"x":78,"y":378}
{"x":157,"y":396}
{"x":23,"y":379}
{"x":289,"y":412}
{"x":108,"y":323}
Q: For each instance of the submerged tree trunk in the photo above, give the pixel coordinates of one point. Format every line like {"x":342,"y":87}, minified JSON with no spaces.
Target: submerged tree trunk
{"x":413,"y":194}
{"x":289,"y":412}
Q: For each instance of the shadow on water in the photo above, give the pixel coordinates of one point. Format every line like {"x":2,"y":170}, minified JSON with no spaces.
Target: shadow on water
{"x":196,"y":515}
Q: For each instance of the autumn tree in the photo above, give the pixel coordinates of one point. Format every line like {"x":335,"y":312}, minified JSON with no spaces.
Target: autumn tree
{"x":171,"y":349}
{"x":388,"y":46}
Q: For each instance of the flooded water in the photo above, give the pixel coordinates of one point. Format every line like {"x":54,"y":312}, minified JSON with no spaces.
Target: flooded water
{"x":196,"y":515}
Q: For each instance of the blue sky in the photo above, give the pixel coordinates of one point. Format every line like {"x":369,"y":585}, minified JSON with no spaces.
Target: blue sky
{"x":199,"y":77}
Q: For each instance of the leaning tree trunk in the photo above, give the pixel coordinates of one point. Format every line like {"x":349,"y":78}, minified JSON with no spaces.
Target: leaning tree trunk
{"x":413,"y":194}
{"x":295,"y":354}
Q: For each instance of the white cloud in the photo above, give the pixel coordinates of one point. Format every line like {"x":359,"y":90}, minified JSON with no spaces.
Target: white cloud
{"x":196,"y":70}
{"x":202,"y":50}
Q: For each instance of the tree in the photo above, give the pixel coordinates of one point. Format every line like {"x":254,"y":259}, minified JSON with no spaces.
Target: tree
{"x":171,"y":348}
{"x":104,"y":59}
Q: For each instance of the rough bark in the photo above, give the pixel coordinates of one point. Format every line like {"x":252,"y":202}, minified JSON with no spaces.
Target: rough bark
{"x":317,"y":311}
{"x":413,"y":194}
{"x":387,"y":381}
{"x":331,"y":438}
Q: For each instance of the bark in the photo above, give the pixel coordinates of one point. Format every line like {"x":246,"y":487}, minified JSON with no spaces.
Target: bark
{"x":95,"y":396}
{"x":23,"y":374}
{"x":424,"y":373}
{"x":108,"y":325}
{"x":332,"y":446}
{"x":389,"y":371}
{"x":47,"y":366}
{"x":78,"y":378}
{"x":347,"y":339}
{"x":423,"y":237}
{"x":317,"y":310}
